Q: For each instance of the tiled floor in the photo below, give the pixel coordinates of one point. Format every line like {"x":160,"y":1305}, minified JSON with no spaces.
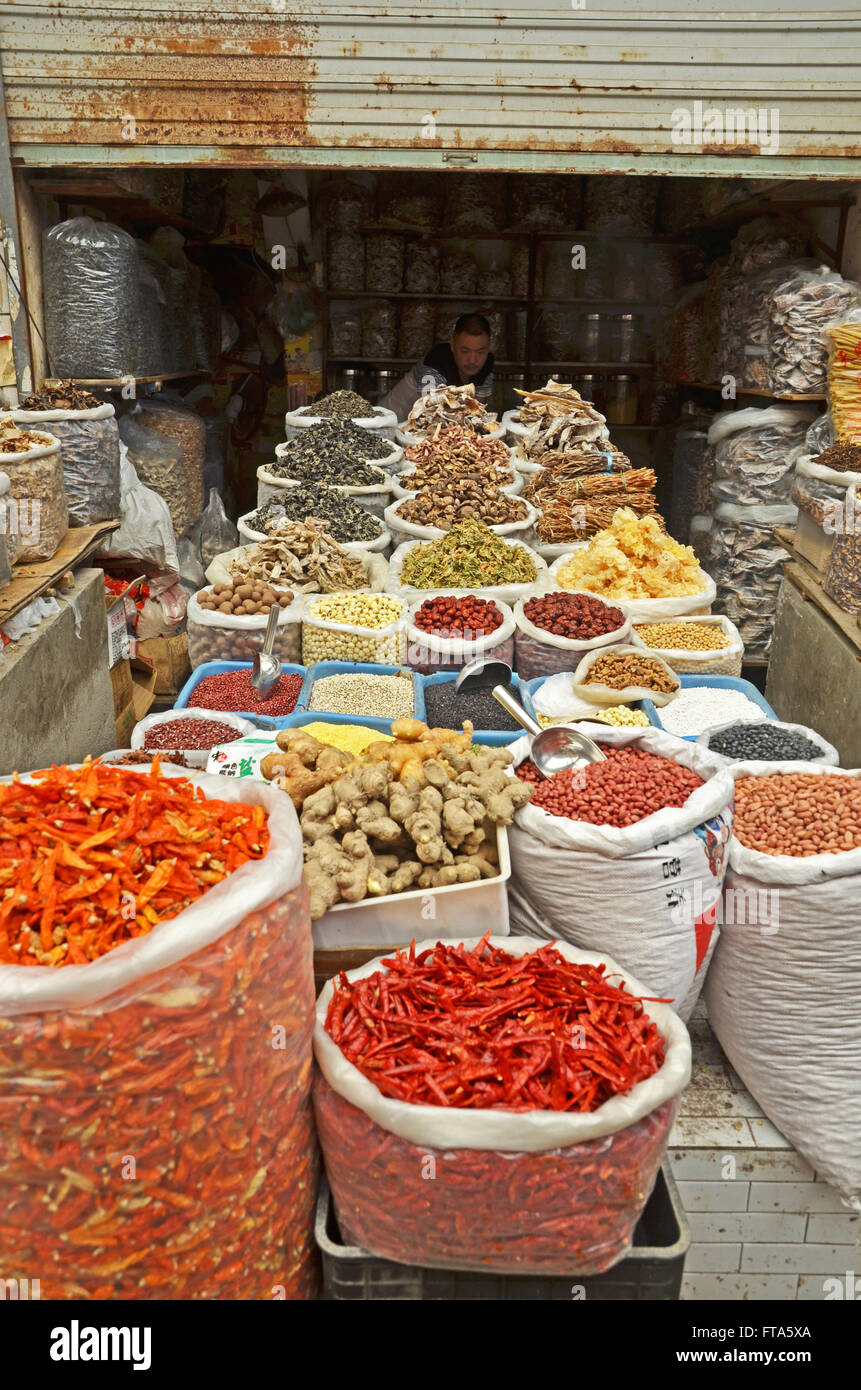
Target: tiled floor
{"x":763,"y":1226}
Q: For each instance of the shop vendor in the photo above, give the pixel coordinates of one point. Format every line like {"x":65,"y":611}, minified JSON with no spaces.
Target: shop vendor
{"x":466,"y":357}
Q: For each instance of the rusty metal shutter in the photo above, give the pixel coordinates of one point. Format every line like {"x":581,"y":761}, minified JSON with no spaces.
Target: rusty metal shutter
{"x":402,"y":85}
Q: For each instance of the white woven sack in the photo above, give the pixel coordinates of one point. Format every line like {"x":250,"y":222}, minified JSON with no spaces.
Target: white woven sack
{"x":783,"y":991}
{"x":648,"y":610}
{"x":219,"y":572}
{"x":250,"y":889}
{"x":647,"y":892}
{"x":501,"y":593}
{"x":454,"y":651}
{"x":382,"y":421}
{"x":568,"y":644}
{"x":198,"y":757}
{"x":399,"y":527}
{"x":532,"y":1131}
{"x":807,"y":467}
{"x":605,"y":695}
{"x":351,"y":547}
{"x":725,"y":661}
{"x":374,"y":498}
{"x":829,"y":754}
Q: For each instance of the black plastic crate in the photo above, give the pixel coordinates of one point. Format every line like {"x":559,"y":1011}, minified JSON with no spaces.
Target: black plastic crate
{"x":652,"y":1269}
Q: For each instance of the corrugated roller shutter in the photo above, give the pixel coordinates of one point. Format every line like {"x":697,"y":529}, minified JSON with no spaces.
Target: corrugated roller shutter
{"x":549,"y":87}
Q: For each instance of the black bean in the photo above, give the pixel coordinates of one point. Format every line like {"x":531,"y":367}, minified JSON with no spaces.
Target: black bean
{"x":446,"y":708}
{"x":763,"y":742}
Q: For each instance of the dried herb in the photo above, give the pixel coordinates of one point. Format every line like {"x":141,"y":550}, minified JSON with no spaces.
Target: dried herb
{"x":343,"y":518}
{"x":469,"y":557}
{"x":342,"y":405}
{"x":60,"y":395}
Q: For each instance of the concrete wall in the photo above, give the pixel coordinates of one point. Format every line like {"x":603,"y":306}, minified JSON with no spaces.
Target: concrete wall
{"x":814,"y":675}
{"x":56,"y":703}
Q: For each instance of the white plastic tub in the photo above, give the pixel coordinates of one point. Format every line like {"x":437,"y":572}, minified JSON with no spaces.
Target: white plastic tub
{"x":445,"y":912}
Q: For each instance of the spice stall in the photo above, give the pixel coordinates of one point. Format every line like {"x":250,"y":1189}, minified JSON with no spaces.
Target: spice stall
{"x":535,"y":528}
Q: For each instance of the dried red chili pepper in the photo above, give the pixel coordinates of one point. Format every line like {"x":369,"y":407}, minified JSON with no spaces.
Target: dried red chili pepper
{"x":486,"y":1030}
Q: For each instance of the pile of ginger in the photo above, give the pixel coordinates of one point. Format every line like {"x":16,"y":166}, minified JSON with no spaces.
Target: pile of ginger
{"x":420,"y":811}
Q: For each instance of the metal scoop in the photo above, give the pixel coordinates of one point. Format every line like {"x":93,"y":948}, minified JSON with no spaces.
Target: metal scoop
{"x":267,"y":668}
{"x":552,"y":749}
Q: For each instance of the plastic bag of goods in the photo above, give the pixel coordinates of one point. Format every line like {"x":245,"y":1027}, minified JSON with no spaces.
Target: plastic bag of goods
{"x":799,"y":309}
{"x":474,"y":202}
{"x":206,"y":323}
{"x":191,"y":732}
{"x":184,"y":427}
{"x":146,"y":529}
{"x":539,"y":202}
{"x":410,"y":199}
{"x":345,"y":261}
{"x":689,"y":447}
{"x":746,"y":561}
{"x":641,"y":874}
{"x":157,"y":463}
{"x":782,"y":992}
{"x":36,"y":514}
{"x":621,"y":203}
{"x":541,"y":643}
{"x":216,"y":1190}
{"x":842,"y":580}
{"x":421,"y":269}
{"x":153,"y":325}
{"x":90,"y":272}
{"x":90,"y":452}
{"x":345,"y":333}
{"x":754,"y":453}
{"x":416,"y":328}
{"x":624,"y":674}
{"x":343,"y":203}
{"x":540,"y":1189}
{"x":704,"y":646}
{"x":217,"y":531}
{"x":379,"y":329}
{"x":354,"y":627}
{"x":445,"y":633}
{"x":214,"y":634}
{"x":384,"y":262}
{"x":282,"y":568}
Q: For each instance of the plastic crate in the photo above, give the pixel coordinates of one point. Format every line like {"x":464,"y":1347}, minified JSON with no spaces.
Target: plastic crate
{"x":530,"y":688}
{"x":652,"y":1269}
{"x":214,"y":668}
{"x":719,"y":683}
{"x":494,"y":738}
{"x":352,"y":668}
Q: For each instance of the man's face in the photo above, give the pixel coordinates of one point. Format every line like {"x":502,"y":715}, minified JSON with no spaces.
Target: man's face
{"x":470,"y":352}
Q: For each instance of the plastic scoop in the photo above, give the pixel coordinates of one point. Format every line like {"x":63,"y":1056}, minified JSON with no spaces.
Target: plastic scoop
{"x":552,"y":749}
{"x":266,"y":670}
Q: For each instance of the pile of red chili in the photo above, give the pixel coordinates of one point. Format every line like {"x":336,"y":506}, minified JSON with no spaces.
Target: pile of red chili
{"x":630,"y":785}
{"x":488,"y":1030}
{"x":93,"y":856}
{"x":232,"y":690}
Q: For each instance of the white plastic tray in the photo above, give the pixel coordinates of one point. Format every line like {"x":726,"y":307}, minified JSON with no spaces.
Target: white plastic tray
{"x":459,"y":910}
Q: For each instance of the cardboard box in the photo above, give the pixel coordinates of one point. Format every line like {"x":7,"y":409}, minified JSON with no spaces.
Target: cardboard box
{"x":136,"y":682}
{"x":169,"y":657}
{"x":812,"y":542}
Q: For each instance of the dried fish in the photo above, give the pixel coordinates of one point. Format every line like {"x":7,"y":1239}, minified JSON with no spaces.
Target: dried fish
{"x":799,"y":310}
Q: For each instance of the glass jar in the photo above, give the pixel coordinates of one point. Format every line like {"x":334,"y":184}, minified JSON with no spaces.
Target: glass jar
{"x":622,"y":400}
{"x":625,"y":337}
{"x":591,"y":388}
{"x":591,"y":344}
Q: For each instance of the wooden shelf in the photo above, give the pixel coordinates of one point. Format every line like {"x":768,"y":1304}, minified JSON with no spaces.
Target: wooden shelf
{"x":440,"y":234}
{"x":764,"y":205}
{"x":31,"y":580}
{"x":114,"y":383}
{"x":436,"y":298}
{"x":100,"y":191}
{"x":744,"y":391}
{"x":597,"y":366}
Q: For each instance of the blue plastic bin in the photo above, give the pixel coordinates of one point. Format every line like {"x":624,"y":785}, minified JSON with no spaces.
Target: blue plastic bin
{"x":353,"y":668}
{"x":719,"y":683}
{"x":494,"y":738}
{"x":214,"y":668}
{"x":530,"y":688}
{"x":300,"y":717}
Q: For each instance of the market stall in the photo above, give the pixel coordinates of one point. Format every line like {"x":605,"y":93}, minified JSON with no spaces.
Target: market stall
{"x":620,"y":588}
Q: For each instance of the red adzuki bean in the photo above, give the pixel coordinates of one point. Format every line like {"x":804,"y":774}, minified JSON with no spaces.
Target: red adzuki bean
{"x":232,"y":690}
{"x":189,"y":733}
